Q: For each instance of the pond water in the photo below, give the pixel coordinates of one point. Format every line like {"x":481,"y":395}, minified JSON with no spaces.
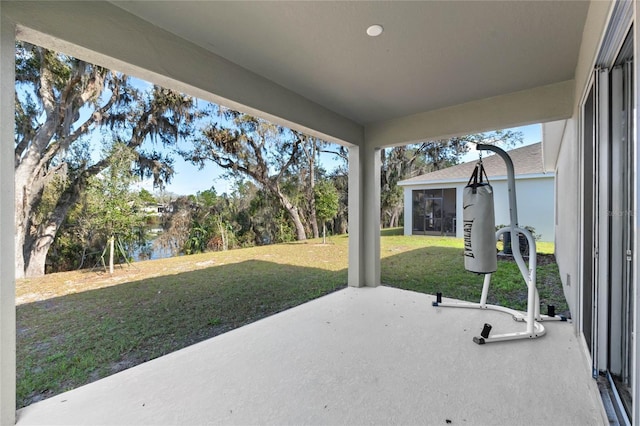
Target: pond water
{"x":152,"y":251}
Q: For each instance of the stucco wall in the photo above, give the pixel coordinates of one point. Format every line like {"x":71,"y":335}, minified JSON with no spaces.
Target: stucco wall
{"x":567,"y":226}
{"x":535,"y":198}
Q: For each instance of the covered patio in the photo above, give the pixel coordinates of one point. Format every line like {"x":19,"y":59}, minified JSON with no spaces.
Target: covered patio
{"x":367,"y":354}
{"x":357,"y":356}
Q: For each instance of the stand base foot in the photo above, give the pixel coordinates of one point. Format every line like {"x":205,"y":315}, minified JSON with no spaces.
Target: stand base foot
{"x":486,"y":330}
{"x":533,"y":331}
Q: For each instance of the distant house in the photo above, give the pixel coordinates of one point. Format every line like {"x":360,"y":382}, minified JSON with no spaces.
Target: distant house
{"x":433,"y":202}
{"x":158,"y":209}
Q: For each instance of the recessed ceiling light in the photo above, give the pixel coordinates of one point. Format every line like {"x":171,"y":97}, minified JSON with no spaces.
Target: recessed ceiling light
{"x":375,"y":30}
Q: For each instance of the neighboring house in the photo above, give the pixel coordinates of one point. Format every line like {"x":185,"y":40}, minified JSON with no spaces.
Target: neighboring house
{"x":433,"y":202}
{"x":158,"y":209}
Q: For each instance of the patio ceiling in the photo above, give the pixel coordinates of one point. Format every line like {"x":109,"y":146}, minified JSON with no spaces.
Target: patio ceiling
{"x":431,"y":55}
{"x":438,"y":69}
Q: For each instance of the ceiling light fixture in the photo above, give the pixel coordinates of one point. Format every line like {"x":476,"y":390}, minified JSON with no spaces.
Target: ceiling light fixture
{"x":375,"y":30}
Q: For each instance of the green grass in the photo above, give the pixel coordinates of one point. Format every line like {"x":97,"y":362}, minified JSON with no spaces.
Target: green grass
{"x":435,"y":264}
{"x":77,"y":327}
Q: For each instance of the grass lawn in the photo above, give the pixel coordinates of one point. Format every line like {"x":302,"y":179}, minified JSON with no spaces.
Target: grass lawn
{"x":77,"y":327}
{"x":436,"y":264}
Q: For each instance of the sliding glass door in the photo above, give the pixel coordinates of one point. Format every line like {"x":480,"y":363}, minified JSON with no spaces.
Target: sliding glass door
{"x":608,"y":236}
{"x":434,"y":211}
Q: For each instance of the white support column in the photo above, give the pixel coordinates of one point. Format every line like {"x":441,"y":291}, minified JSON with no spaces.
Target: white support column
{"x":408,"y":210}
{"x":364,"y":217}
{"x":7,"y":226}
{"x":355,"y":201}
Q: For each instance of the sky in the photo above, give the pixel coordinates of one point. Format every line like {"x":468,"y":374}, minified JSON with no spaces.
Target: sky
{"x":531,"y":134}
{"x":188,"y":179}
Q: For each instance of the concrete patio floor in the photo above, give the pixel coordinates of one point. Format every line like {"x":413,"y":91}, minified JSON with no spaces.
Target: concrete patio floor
{"x":357,"y":356}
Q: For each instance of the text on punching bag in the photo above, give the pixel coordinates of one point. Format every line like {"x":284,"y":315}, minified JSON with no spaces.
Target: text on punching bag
{"x":468,"y":250}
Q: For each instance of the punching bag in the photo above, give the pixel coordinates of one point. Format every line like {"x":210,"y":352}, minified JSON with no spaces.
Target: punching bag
{"x":480,"y":254}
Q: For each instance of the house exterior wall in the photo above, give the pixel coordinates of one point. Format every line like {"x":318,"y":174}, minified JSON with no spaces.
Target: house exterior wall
{"x":535,"y":198}
{"x":575,"y":253}
{"x":569,"y":187}
{"x":567,"y":218}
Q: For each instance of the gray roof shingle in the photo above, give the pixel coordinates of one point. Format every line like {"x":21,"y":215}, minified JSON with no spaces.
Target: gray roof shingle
{"x":526,"y":160}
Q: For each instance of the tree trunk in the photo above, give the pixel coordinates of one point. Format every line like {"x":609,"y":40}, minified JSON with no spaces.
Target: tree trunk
{"x":313,"y":219}
{"x":324,"y":233}
{"x":297,"y":222}
{"x":36,"y":265}
{"x":293,"y":213}
{"x":312,"y":199}
{"x":111,"y":250}
{"x":36,"y":248}
{"x":19,"y":247}
{"x":223,"y":235}
{"x":34,"y":245}
{"x":394,"y":218}
{"x":28,"y":191}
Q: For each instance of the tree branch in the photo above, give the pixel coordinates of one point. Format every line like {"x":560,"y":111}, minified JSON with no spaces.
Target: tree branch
{"x":292,"y":158}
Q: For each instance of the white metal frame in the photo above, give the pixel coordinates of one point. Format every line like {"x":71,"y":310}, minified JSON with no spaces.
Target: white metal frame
{"x":532,"y":317}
